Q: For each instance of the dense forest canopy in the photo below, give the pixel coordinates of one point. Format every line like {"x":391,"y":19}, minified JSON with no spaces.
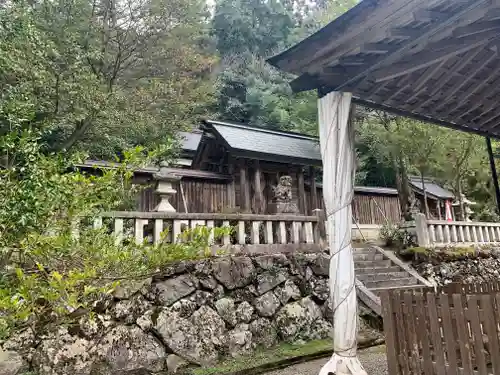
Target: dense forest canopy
{"x":102,"y":76}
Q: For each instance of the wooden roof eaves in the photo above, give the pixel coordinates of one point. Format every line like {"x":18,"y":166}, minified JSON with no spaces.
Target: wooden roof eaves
{"x":419,"y":117}
{"x":341,"y":25}
{"x":150,"y":171}
{"x":275,"y":158}
{"x":417,"y":41}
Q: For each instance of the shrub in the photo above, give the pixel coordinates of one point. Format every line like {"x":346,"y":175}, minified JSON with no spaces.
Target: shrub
{"x":46,"y":276}
{"x":395,"y":236}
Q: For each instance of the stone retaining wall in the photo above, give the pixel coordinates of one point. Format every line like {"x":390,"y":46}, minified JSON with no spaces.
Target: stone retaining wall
{"x":480,"y":265}
{"x":192,"y":312}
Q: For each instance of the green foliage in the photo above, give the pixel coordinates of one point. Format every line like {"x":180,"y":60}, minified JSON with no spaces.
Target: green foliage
{"x":104,"y":76}
{"x":248,"y":89}
{"x":395,"y":236}
{"x":46,"y":274}
{"x":57,"y":278}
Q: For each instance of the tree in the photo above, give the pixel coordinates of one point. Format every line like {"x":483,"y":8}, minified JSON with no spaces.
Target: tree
{"x":464,"y":154}
{"x":406,"y":146}
{"x":105,"y":75}
{"x":248,"y":89}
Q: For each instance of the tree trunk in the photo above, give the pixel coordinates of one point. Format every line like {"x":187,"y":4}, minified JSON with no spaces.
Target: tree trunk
{"x":402,"y":185}
{"x":426,"y":205}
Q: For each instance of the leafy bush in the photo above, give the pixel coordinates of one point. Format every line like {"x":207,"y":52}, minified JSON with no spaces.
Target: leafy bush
{"x":389,"y":233}
{"x":395,"y":236}
{"x":47,"y":277}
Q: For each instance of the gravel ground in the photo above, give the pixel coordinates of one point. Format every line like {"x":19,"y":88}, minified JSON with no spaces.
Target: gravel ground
{"x":373,"y":359}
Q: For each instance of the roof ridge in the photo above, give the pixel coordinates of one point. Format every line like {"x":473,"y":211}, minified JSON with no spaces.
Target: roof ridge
{"x":263,"y":130}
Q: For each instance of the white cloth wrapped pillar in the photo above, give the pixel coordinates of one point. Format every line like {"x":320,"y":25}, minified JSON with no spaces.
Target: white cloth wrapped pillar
{"x":336,"y":135}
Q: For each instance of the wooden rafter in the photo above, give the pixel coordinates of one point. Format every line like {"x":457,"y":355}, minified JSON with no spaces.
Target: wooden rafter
{"x":487,"y":122}
{"x":324,"y":57}
{"x":425,"y":58}
{"x":395,"y":94}
{"x":462,"y":99}
{"x":419,"y":84}
{"x":429,"y":15}
{"x":445,"y":78}
{"x":477,"y":27}
{"x":431,"y":30}
{"x":485,"y":103}
{"x":489,"y":106}
{"x":470,"y":76}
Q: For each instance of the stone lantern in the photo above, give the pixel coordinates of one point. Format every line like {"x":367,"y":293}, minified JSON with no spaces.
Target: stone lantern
{"x":164,"y":188}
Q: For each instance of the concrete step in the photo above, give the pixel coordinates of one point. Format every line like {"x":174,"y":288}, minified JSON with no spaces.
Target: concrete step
{"x":367,"y":256}
{"x":364,"y":250}
{"x":371,"y":270}
{"x":372,"y":263}
{"x":377,"y":291}
{"x":382,"y":276}
{"x":404,"y":281}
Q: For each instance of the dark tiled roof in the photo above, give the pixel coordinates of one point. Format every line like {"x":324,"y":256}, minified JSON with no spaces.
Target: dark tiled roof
{"x":264,"y":141}
{"x":431,"y":188}
{"x":190,"y":141}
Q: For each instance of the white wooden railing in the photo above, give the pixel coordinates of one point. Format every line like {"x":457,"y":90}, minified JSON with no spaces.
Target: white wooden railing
{"x":249,"y":229}
{"x":444,"y":233}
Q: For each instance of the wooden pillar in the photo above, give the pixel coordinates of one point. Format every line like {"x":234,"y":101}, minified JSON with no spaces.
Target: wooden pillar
{"x":244,"y":187}
{"x":302,"y":192}
{"x":257,"y":188}
{"x":231,"y":191}
{"x":314,"y":189}
{"x":440,"y":215}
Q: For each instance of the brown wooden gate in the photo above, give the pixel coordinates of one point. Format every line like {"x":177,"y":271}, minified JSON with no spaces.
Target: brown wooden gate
{"x":452,"y":331}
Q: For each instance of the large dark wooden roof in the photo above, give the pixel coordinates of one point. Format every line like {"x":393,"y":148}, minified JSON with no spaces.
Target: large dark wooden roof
{"x":433,"y":60}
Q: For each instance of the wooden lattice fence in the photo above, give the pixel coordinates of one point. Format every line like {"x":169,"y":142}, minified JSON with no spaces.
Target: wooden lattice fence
{"x":450,"y":331}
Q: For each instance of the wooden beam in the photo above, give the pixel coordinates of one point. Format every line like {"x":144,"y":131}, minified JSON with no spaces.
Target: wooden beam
{"x":486,"y":106}
{"x":477,"y":27}
{"x":316,"y":55}
{"x":486,"y":123}
{"x":462,"y":99}
{"x":258,"y":197}
{"x":428,"y":15}
{"x":302,"y":192}
{"x":314,"y":189}
{"x":485,"y":103}
{"x":419,"y":84}
{"x":424,"y":117}
{"x":463,"y":82}
{"x":404,"y":32}
{"x":244,"y":187}
{"x":460,"y":64}
{"x":472,"y":11}
{"x":405,"y":82}
{"x":372,"y":48}
{"x":431,"y":56}
{"x":231,"y":191}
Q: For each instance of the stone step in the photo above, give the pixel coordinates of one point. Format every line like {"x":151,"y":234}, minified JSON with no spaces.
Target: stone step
{"x":377,"y":291}
{"x":367,"y":256}
{"x":364,"y":250}
{"x":372,"y":263}
{"x":404,"y":281}
{"x":370,"y":270}
{"x":382,"y":276}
